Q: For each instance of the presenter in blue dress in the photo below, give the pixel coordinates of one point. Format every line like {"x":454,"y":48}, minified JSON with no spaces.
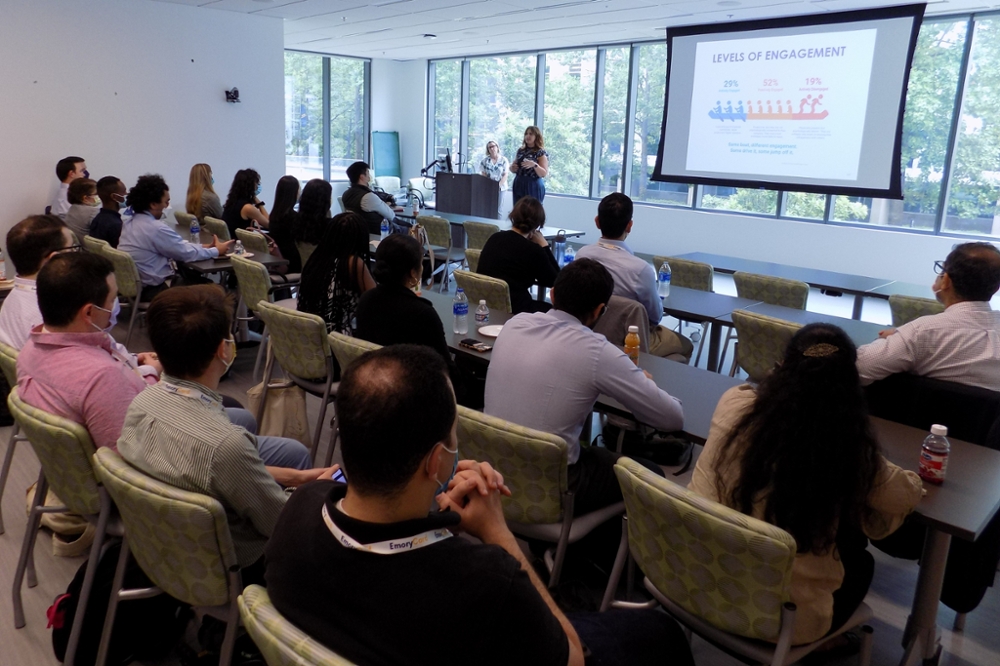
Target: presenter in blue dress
{"x":530,"y":166}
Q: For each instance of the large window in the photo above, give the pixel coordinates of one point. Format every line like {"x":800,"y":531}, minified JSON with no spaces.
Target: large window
{"x":569,"y":120}
{"x":326,"y":114}
{"x":304,"y":149}
{"x":602,"y":113}
{"x":613,"y":117}
{"x":501,"y":104}
{"x":447,"y":115}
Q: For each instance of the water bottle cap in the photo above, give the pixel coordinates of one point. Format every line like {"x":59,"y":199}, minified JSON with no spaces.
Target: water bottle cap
{"x":459,"y":290}
{"x":633,"y":329}
{"x":482,"y":301}
{"x":939,"y":430}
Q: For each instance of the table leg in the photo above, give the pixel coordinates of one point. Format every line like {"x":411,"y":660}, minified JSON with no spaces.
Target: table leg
{"x":920,"y":638}
{"x":714,"y":342}
{"x":859,"y":303}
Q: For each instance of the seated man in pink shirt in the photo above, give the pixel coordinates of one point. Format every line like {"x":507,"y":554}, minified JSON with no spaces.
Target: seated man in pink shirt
{"x":70,"y":366}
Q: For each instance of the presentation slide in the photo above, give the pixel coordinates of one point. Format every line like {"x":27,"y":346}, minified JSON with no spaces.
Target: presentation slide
{"x":784,"y":106}
{"x":809,"y":103}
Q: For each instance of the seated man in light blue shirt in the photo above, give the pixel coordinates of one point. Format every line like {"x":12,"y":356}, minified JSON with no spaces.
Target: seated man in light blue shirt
{"x":635,"y":279}
{"x":548,"y":369}
{"x":153,"y":242}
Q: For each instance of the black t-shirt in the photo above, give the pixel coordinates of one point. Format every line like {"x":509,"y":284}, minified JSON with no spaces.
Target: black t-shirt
{"x":232,"y":215}
{"x":392,"y":315}
{"x":425,"y":606}
{"x":520,"y":263}
{"x":282,"y":228}
{"x":107,"y":225}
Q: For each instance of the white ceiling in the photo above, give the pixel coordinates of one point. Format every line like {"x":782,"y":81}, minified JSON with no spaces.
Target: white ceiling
{"x":396,"y":29}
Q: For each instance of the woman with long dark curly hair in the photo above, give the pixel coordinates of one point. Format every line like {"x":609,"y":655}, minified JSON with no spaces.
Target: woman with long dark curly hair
{"x":242,"y":205}
{"x":336,"y":274}
{"x":798,"y":452}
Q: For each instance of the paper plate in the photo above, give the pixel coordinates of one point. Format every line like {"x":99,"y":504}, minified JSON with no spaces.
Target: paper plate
{"x":490,"y":331}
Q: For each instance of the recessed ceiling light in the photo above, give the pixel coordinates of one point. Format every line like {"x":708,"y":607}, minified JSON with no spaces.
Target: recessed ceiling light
{"x":729,"y":3}
{"x":427,"y":35}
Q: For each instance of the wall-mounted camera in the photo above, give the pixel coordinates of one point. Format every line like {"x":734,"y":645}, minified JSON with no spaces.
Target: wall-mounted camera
{"x":233,"y":96}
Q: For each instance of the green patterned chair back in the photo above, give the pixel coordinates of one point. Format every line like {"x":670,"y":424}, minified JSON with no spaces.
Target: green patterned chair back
{"x":773,"y":290}
{"x":477,"y":233}
{"x":8,"y":363}
{"x":686,"y":273}
{"x":762,"y":341}
{"x":472,"y":257}
{"x":126,"y":272}
{"x":280,"y":641}
{"x":731,"y":570}
{"x":253,"y":241}
{"x":907,"y":308}
{"x":95,"y":245}
{"x":180,"y":539}
{"x":64,"y":449}
{"x":305,"y":250}
{"x":478,"y":287}
{"x":533,"y":464}
{"x":184,"y":219}
{"x":214,"y":225}
{"x":253,"y":279}
{"x":299,"y":340}
{"x":438,"y":230}
{"x":347,"y":349}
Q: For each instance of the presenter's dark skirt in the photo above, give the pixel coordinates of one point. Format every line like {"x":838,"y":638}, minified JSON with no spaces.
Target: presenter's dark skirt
{"x":525,"y":186}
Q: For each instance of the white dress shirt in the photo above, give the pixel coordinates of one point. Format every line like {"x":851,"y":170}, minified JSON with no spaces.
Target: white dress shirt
{"x":60,"y":205}
{"x":962,"y":344}
{"x":635,"y":278}
{"x":19,"y":314}
{"x":547,"y":371}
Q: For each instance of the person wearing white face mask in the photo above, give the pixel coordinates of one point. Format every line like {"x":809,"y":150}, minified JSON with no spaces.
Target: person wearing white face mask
{"x":83,"y":206}
{"x":154,"y":245}
{"x":107,"y":224}
{"x":178,"y":432}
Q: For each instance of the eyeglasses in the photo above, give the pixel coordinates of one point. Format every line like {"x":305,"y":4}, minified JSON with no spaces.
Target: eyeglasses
{"x":939,"y":267}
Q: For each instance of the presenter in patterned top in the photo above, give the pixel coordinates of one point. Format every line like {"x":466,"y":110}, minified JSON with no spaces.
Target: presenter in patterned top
{"x":495,"y":166}
{"x":530,"y":166}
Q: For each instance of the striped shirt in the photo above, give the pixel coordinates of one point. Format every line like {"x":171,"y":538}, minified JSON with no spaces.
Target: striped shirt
{"x":188,"y":441}
{"x":962,"y":345}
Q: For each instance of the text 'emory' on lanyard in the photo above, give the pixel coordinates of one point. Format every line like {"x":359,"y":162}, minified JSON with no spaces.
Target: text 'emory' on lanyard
{"x":390,"y":547}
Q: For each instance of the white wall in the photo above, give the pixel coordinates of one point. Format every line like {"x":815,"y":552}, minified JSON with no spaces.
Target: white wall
{"x":134,"y":86}
{"x":399,"y":91}
{"x":873,"y":252}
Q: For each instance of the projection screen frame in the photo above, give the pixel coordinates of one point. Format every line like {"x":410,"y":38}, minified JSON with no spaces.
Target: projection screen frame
{"x":894,"y":191}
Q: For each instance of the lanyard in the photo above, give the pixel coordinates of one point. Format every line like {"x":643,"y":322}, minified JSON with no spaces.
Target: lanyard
{"x":608,"y":246}
{"x":390,"y":547}
{"x":193,"y":394}
{"x":20,"y":286}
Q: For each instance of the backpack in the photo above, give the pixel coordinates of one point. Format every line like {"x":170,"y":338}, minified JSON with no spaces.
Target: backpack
{"x":144,"y":628}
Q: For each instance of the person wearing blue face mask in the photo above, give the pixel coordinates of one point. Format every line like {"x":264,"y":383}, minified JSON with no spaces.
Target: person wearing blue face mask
{"x":68,"y":169}
{"x":374,"y":567}
{"x":243,"y":209}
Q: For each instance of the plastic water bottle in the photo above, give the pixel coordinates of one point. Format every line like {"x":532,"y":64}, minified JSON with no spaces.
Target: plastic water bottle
{"x":460,"y":308}
{"x":663,"y":280}
{"x":632,"y":344}
{"x":482,"y":314}
{"x":195,"y":231}
{"x":568,"y":255}
{"x":384,"y":228}
{"x":934,"y":455}
{"x":559,"y":247}
{"x":238,"y":250}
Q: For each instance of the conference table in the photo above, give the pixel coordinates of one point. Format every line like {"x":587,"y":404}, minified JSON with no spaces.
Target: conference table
{"x":960,"y":508}
{"x":857,"y":285}
{"x":223,"y":264}
{"x":457,"y":220}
